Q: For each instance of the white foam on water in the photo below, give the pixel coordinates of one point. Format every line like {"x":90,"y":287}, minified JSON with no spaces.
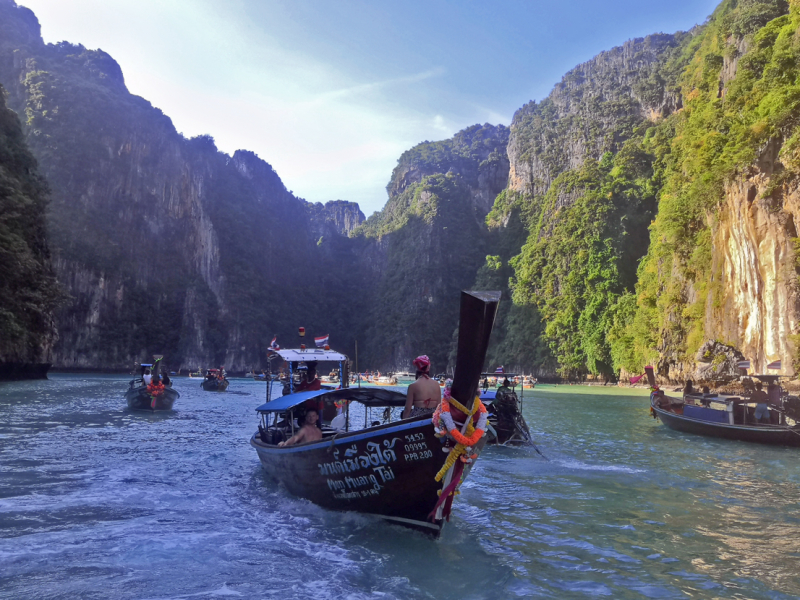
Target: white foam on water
{"x":578,"y":465}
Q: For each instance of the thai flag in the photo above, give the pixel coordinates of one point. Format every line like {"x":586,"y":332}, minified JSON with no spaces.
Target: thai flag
{"x":500,"y":370}
{"x":775,"y":365}
{"x":274,"y":344}
{"x":743,"y":364}
{"x":321,"y":341}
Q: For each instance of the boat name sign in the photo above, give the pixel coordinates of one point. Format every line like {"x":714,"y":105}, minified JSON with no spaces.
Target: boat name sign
{"x":374,"y":458}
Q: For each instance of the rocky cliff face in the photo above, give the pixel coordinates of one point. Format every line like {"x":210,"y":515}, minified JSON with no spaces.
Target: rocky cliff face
{"x":593,"y":110}
{"x":754,"y":261}
{"x":28,"y":291}
{"x":164,"y":244}
{"x":428,"y":243}
{"x":337,"y":217}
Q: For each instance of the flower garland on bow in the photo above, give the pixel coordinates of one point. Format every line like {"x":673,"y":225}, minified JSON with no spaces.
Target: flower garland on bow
{"x":444,"y":425}
{"x":155,"y":390}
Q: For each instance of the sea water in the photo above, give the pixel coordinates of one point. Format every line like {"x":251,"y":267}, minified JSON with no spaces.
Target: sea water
{"x":99,"y":502}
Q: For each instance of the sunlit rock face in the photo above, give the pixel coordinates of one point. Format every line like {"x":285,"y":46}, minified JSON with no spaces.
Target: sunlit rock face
{"x":606,"y":92}
{"x":754,"y":261}
{"x":337,"y":217}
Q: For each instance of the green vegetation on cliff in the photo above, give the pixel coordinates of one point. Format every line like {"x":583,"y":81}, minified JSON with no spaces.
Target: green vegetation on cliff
{"x":28,"y":290}
{"x":721,"y":130}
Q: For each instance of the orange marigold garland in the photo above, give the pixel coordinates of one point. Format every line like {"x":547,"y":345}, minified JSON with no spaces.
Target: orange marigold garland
{"x":155,"y":390}
{"x":444,"y":425}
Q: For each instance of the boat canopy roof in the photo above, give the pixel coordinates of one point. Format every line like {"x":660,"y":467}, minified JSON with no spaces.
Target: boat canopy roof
{"x":145,"y":364}
{"x":368,"y":396}
{"x":308,"y":354}
{"x":768,"y":378}
{"x":498,"y":374}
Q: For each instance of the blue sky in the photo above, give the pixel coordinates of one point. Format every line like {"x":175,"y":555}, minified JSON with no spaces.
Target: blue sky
{"x":330,"y":93}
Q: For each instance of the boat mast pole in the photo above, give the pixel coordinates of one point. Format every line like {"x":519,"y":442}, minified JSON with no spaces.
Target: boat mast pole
{"x":358,"y":373}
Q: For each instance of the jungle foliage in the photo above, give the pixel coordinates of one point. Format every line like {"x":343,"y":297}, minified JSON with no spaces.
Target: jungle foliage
{"x":28,"y":289}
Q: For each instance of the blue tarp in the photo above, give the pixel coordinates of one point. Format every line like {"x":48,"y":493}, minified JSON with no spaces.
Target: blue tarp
{"x":366,"y":395}
{"x":705,"y":414}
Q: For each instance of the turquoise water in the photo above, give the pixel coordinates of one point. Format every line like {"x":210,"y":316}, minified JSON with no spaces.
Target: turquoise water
{"x":96,"y":502}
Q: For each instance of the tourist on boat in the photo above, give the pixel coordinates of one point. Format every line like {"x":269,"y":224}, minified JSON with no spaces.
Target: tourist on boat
{"x":147,"y":377}
{"x":688,"y":388}
{"x":311,"y":381}
{"x":424,"y":395}
{"x":485,"y":384}
{"x":762,"y":407}
{"x":309,"y":432}
{"x":505,"y":388}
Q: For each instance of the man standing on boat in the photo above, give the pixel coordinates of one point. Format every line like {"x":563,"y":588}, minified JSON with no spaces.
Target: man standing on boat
{"x":761,"y":399}
{"x":424,"y":395}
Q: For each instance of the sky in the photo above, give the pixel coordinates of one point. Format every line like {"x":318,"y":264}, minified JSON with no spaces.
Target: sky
{"x":332,"y":92}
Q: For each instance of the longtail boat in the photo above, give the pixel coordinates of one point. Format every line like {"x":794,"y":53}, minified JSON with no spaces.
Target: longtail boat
{"x":155,"y":395}
{"x":728,"y":416}
{"x":404,"y":470}
{"x":215,"y":381}
{"x":505,"y":414}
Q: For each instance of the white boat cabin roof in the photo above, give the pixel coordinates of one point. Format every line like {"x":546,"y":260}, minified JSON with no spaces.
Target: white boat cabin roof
{"x":309,"y":354}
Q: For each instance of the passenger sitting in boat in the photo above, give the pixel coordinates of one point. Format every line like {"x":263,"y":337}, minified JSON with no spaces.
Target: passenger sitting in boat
{"x":505,"y":388}
{"x":309,"y":432}
{"x":762,"y":408}
{"x":705,"y":401}
{"x":311,"y":382}
{"x":166,"y":380}
{"x":147,"y":377}
{"x":424,"y":395}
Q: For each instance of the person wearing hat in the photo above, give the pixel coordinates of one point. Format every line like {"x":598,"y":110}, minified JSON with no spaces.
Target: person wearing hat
{"x":424,"y":395}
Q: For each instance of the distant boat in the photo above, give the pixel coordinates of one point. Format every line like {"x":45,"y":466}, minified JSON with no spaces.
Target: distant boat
{"x":505,"y":417}
{"x":157,"y":395}
{"x":727,"y":416}
{"x":404,"y":377}
{"x":215,"y":381}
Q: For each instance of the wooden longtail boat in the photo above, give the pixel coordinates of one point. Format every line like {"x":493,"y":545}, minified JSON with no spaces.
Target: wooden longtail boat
{"x":724,"y":416}
{"x":387,"y":469}
{"x":505,"y":414}
{"x":153,"y":397}
{"x":215,"y":381}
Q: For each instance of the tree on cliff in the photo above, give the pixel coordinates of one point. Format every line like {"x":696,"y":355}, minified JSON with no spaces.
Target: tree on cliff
{"x":28,"y":290}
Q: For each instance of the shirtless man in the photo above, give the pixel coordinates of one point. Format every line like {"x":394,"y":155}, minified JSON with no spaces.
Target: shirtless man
{"x":424,"y":395}
{"x":309,"y":432}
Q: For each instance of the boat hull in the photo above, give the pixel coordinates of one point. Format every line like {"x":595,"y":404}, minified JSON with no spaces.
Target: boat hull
{"x":139,"y":399}
{"x":777,"y":435}
{"x":387,"y":471}
{"x":215,"y":385}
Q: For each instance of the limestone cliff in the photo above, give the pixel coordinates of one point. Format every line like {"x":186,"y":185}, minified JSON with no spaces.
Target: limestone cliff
{"x":164,"y":244}
{"x":427,"y":244}
{"x":28,"y":291}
